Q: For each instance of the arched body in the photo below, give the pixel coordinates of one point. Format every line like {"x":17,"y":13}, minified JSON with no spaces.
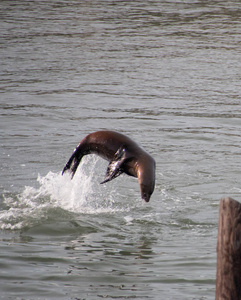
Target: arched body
{"x":124,"y":155}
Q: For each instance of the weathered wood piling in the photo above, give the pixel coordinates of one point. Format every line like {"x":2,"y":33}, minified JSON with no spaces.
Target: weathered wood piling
{"x":228,"y":278}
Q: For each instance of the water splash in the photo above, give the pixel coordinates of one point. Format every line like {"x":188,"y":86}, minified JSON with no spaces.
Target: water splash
{"x":82,"y":194}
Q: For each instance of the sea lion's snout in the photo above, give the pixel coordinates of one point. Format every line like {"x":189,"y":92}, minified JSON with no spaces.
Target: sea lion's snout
{"x":145,"y":197}
{"x":147,"y":185}
{"x":145,"y":194}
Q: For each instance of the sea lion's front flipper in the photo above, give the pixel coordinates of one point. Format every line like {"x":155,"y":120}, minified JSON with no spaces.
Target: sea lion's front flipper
{"x":115,"y":166}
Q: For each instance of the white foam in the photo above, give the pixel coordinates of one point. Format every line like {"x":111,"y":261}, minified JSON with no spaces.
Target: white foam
{"x":82,"y":194}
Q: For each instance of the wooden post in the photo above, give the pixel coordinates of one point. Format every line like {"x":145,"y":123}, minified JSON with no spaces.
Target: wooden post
{"x":228,"y":280}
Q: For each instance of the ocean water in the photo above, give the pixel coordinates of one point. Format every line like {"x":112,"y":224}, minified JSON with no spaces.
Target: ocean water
{"x":165,"y":73}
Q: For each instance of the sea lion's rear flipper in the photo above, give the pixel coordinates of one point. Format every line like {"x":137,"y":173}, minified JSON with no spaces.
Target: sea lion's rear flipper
{"x":73,"y":162}
{"x":115,"y":166}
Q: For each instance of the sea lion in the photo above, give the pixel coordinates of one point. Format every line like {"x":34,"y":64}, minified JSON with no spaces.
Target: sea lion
{"x":124,"y":155}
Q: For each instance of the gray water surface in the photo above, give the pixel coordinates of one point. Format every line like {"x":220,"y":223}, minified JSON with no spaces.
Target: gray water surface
{"x":165,"y":73}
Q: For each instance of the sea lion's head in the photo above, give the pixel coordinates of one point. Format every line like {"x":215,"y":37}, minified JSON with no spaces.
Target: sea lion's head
{"x":146,"y":177}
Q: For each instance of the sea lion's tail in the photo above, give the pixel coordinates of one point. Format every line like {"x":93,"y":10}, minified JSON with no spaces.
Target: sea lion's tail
{"x":73,"y":162}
